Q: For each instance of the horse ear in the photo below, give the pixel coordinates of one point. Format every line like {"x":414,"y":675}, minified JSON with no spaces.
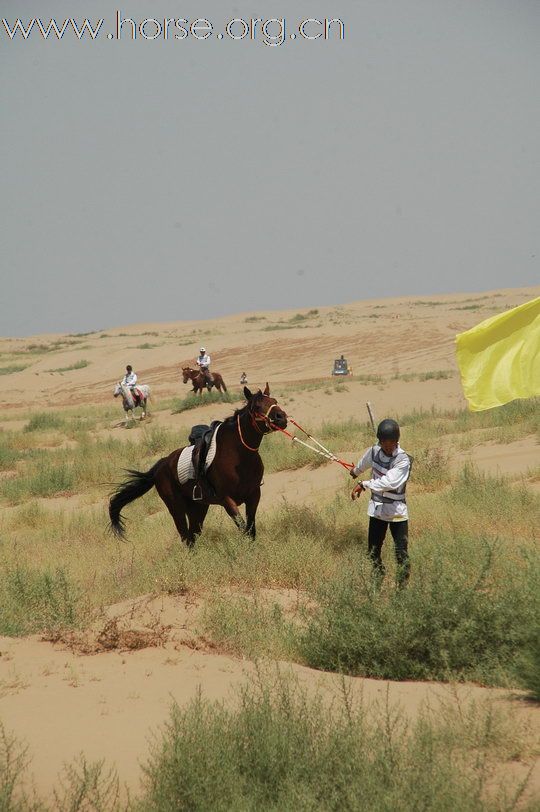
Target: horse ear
{"x":247,"y":393}
{"x":266,"y":389}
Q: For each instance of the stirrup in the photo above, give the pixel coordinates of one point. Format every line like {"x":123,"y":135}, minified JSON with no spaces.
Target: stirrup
{"x":197,"y":494}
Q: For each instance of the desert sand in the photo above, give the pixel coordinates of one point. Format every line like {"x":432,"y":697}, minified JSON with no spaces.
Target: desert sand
{"x":109,"y":704}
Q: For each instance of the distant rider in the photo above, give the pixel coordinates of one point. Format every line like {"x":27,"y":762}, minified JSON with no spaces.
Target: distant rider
{"x":130,"y":380}
{"x":203,"y":362}
{"x":243,"y":379}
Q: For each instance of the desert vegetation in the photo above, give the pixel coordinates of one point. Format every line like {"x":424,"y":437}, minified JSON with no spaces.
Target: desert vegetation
{"x":283,"y":748}
{"x":303,"y":592}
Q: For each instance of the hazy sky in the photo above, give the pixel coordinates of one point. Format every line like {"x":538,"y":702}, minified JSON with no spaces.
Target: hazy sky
{"x":152,"y":180}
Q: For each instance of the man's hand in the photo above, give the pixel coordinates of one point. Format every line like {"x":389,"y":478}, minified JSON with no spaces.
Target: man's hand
{"x":357,"y":490}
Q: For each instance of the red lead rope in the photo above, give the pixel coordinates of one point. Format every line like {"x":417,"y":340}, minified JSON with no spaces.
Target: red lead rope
{"x":324,"y":453}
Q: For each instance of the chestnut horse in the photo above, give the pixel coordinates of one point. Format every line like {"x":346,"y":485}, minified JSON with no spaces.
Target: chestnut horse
{"x":234,"y":475}
{"x":199,"y":381}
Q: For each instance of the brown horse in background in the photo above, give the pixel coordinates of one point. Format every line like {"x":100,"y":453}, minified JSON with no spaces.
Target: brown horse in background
{"x":199,"y":381}
{"x":235,"y":474}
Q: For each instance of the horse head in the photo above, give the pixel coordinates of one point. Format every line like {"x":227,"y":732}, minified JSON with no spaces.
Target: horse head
{"x":265,"y":409}
{"x":127,"y":397}
{"x":187,"y":374}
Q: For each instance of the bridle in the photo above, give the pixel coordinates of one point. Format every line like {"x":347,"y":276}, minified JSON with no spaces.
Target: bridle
{"x":256,"y":418}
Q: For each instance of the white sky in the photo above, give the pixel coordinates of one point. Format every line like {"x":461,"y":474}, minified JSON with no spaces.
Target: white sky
{"x":153,"y":180}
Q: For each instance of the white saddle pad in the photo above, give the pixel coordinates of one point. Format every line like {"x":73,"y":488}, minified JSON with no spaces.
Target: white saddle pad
{"x":185,"y":464}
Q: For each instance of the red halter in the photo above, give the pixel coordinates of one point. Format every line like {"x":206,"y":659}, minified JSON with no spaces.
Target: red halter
{"x":264,"y":417}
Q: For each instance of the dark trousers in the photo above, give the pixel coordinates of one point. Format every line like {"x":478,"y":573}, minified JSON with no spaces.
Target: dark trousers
{"x":400,"y":534}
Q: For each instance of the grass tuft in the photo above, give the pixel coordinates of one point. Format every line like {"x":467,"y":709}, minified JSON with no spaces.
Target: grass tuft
{"x":44,"y":421}
{"x":192,"y":401}
{"x":77,"y":365}
{"x":13,"y":368}
{"x":35,"y":601}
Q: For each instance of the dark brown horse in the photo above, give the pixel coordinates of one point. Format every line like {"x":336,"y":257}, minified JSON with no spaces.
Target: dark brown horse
{"x":199,"y":381}
{"x":235,"y":474}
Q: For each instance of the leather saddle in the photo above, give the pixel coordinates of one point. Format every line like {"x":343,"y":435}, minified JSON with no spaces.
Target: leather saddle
{"x":200,"y":437}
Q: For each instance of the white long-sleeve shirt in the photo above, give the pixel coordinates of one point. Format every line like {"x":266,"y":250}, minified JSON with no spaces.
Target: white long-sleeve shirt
{"x":203,"y":360}
{"x":392,"y":480}
{"x":130,"y":379}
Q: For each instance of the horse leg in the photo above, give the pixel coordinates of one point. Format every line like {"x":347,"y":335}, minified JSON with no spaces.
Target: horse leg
{"x":232,"y":510}
{"x":252,"y":503}
{"x":196,"y":515}
{"x":177,"y":507}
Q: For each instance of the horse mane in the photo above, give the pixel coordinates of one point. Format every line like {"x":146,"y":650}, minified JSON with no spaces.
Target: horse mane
{"x":238,"y":412}
{"x":242,"y":410}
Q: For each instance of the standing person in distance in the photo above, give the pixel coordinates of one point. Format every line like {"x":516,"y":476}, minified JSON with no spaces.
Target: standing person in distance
{"x":390,"y":470}
{"x":203,"y":362}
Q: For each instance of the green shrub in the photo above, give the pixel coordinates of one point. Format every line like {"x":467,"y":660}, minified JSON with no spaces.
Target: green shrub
{"x":77,"y":365}
{"x":14,"y":761}
{"x":499,"y":499}
{"x":248,"y":626}
{"x":282,"y":749}
{"x":437,"y":375}
{"x":269,"y":327}
{"x":464,"y":615}
{"x":159,"y":440}
{"x":431,"y":468}
{"x":192,"y":401}
{"x":44,"y":421}
{"x":44,"y":478}
{"x":35,"y":601}
{"x":528,"y":664}
{"x":8,"y":455}
{"x":13,"y":368}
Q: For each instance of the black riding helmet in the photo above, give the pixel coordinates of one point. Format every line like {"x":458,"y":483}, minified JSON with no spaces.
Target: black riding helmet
{"x":388,"y":430}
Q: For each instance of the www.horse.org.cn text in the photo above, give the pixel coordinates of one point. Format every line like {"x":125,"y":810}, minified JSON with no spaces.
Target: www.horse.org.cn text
{"x":273,"y":31}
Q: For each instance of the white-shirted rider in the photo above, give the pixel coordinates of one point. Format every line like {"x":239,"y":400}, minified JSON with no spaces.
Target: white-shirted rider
{"x":203,"y":362}
{"x":130,"y":380}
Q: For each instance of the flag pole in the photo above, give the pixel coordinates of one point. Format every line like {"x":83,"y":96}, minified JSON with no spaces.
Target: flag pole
{"x":371,"y":417}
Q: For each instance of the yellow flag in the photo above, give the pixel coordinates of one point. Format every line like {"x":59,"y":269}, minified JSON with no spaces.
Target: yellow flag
{"x":499,"y":359}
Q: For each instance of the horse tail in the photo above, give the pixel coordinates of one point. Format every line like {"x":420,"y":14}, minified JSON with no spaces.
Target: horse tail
{"x":137,"y":484}
{"x":223,"y":385}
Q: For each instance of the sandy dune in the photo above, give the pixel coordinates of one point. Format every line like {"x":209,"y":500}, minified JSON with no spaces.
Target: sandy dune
{"x":111,"y":704}
{"x":384,"y":337}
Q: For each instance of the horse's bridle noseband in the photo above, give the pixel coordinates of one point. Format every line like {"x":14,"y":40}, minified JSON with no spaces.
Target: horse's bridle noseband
{"x":256,"y":418}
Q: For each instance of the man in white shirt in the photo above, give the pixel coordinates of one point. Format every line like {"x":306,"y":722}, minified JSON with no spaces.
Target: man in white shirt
{"x":130,"y":378}
{"x":203,"y":362}
{"x":390,"y":469}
